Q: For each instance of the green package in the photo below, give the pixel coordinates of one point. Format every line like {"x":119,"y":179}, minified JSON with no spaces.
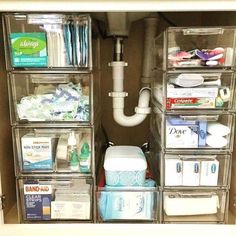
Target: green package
{"x":29,"y":49}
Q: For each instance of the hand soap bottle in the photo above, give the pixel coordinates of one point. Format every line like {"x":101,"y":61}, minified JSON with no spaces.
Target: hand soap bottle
{"x":72,"y":152}
{"x":84,"y":158}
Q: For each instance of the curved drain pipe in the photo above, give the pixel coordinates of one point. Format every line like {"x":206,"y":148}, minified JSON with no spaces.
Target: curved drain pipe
{"x":118,"y":94}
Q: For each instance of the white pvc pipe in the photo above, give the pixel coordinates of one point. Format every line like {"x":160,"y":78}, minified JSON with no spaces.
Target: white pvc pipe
{"x":150,"y":33}
{"x":141,"y":110}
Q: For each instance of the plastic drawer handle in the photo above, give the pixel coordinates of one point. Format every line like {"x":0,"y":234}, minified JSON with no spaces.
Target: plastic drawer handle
{"x":201,"y":31}
{"x":200,"y":117}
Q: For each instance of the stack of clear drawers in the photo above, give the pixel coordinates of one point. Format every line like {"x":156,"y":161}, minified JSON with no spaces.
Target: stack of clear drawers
{"x":52,"y":86}
{"x":192,"y":124}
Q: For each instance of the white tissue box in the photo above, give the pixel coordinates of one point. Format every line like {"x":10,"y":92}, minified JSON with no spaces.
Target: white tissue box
{"x":125,"y":166}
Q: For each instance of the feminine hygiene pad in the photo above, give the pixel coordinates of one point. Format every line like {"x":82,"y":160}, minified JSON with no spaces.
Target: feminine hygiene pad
{"x":125,"y":166}
{"x":217,"y":129}
{"x":215,"y":141}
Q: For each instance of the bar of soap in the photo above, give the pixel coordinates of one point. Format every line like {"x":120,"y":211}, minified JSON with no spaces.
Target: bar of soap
{"x":217,"y":129}
{"x":216,"y":141}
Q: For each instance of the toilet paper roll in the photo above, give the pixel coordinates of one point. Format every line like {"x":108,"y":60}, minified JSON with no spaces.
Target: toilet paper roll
{"x":217,"y":129}
{"x":216,"y":141}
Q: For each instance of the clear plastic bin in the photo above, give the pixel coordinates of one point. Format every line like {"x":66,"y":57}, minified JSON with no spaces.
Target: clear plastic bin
{"x":194,"y":131}
{"x":55,"y":199}
{"x":196,"y":170}
{"x":50,"y":98}
{"x":128,"y":204}
{"x":204,"y":47}
{"x":195,"y":206}
{"x":212,"y":90}
{"x":48,"y":41}
{"x":53,"y":150}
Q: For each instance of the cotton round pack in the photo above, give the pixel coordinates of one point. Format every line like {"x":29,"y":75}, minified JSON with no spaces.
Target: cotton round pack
{"x":217,"y":129}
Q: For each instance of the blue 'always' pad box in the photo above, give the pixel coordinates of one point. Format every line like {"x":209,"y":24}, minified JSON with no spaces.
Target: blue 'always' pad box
{"x":28,"y":49}
{"x":125,"y":166}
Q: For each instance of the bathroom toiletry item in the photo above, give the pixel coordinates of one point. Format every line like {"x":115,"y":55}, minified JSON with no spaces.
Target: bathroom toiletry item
{"x":84,"y":157}
{"x":28,"y":49}
{"x":37,"y":200}
{"x":191,"y":173}
{"x":225,"y":94}
{"x":74,"y":162}
{"x":216,"y":82}
{"x":173,"y":172}
{"x":187,"y":80}
{"x":61,"y":153}
{"x":46,"y":203}
{"x":215,"y":141}
{"x":125,"y":166}
{"x":192,"y":102}
{"x":229,"y":54}
{"x":72,"y":152}
{"x":202,"y":132}
{"x":190,"y":204}
{"x":184,"y":134}
{"x":115,"y":203}
{"x":198,"y":92}
{"x":219,"y":102}
{"x":209,"y":173}
{"x":37,"y":152}
{"x":217,"y":129}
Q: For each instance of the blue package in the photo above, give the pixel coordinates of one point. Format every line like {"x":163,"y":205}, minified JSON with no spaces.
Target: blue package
{"x":118,"y":204}
{"x":179,"y":121}
{"x":202,"y":131}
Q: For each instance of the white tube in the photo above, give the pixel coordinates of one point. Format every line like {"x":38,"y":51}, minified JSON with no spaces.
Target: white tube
{"x":150,"y":33}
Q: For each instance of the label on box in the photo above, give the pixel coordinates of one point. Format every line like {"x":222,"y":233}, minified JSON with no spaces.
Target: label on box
{"x":37,"y":198}
{"x":190,"y":102}
{"x":181,"y":136}
{"x":29,"y":49}
{"x":36,"y":152}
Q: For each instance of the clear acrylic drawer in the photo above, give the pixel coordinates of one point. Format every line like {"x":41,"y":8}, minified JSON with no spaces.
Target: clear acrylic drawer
{"x":48,"y":41}
{"x":193,"y":130}
{"x":194,"y":90}
{"x":55,"y":199}
{"x":204,"y":47}
{"x":196,"y":170}
{"x":128,"y":204}
{"x":50,"y":98}
{"x":195,"y":206}
{"x":53,"y":150}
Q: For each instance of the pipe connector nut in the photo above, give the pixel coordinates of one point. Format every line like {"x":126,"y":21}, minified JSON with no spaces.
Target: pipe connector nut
{"x":143,"y":110}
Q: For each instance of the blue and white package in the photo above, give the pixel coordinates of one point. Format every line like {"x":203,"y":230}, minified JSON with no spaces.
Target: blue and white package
{"x":115,"y":203}
{"x":202,"y":132}
{"x":37,"y":152}
{"x":181,"y":133}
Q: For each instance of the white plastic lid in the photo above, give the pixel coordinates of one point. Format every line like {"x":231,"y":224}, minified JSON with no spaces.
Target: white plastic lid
{"x":124,"y":158}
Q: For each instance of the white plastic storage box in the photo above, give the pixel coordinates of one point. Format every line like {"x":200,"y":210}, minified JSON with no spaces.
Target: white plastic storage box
{"x":122,"y":204}
{"x":40,"y":98}
{"x":194,"y":90}
{"x":195,"y":206}
{"x":196,"y":130}
{"x":181,"y":47}
{"x":55,"y":199}
{"x":125,"y":166}
{"x":52,"y":150}
{"x":48,"y":41}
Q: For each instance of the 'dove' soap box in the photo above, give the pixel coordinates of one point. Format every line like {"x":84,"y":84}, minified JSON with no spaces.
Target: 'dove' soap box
{"x":125,"y":166}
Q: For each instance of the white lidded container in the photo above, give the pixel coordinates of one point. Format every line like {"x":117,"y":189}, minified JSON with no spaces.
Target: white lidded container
{"x":125,"y":166}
